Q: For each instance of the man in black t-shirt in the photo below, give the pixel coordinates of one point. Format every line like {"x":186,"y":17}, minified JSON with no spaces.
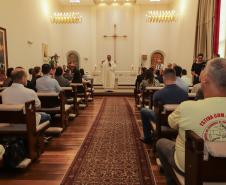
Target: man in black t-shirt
{"x":197,"y":68}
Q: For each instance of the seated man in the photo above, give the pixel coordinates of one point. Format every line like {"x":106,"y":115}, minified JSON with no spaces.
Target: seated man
{"x":186,"y":78}
{"x":18,"y":94}
{"x":179,"y":82}
{"x":170,"y":94}
{"x":63,"y":82}
{"x":205,"y":117}
{"x":46,"y":83}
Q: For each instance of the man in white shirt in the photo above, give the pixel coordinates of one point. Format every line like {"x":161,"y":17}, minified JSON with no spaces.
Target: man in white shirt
{"x":46,"y":83}
{"x":207,"y":118}
{"x":18,"y":94}
{"x":186,"y":78}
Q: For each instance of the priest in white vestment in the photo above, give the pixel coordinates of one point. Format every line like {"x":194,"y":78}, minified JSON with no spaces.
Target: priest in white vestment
{"x":108,"y":73}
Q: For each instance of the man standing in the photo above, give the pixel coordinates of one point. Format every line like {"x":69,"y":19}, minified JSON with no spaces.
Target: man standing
{"x":108,"y":73}
{"x":197,"y":68}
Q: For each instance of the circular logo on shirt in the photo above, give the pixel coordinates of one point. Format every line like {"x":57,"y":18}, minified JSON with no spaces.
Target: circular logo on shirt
{"x":215,"y":131}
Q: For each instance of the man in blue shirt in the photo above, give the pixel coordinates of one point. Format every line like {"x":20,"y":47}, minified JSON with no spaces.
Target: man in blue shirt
{"x":46,"y":83}
{"x":170,"y":94}
{"x":179,"y":82}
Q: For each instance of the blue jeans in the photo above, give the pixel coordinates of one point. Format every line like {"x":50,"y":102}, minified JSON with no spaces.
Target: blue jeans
{"x":44,"y":117}
{"x":147,"y":116}
{"x":165,"y":149}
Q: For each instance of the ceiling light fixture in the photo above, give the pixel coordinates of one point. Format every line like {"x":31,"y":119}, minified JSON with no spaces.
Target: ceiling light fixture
{"x":161,"y":16}
{"x":74,"y":1}
{"x":114,"y":1}
{"x":66,"y":18}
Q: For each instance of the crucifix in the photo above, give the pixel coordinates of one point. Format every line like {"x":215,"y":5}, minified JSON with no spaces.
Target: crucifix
{"x":115,"y":37}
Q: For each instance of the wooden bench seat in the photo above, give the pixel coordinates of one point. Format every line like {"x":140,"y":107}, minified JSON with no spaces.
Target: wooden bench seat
{"x":84,"y":95}
{"x":55,"y":103}
{"x":72,"y":98}
{"x":161,"y":128}
{"x":20,"y":120}
{"x":199,"y":171}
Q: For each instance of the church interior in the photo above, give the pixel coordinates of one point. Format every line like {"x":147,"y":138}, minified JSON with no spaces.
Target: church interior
{"x":113,"y":92}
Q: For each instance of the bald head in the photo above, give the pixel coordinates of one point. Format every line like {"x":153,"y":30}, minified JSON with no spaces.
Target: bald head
{"x":213,"y":77}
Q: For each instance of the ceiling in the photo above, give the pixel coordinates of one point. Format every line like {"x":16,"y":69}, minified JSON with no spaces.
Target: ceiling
{"x":91,"y":2}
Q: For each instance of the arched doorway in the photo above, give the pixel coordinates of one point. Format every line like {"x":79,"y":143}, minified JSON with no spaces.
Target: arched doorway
{"x":157,"y":59}
{"x":73,"y":60}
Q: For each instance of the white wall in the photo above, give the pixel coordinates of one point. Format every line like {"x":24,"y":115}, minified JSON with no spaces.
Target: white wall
{"x":28,"y":20}
{"x":176,"y":39}
{"x":182,"y":34}
{"x":31,"y":22}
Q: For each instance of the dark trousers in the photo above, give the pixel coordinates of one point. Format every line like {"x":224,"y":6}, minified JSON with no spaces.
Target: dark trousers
{"x":166,"y":149}
{"x":147,"y":116}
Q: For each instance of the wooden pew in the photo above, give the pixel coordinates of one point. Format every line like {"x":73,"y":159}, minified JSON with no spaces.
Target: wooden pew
{"x":20,"y":120}
{"x":150,"y":92}
{"x":161,"y":128}
{"x":84,"y":95}
{"x":71,"y":98}
{"x":199,"y":171}
{"x":90,"y":89}
{"x":55,"y":103}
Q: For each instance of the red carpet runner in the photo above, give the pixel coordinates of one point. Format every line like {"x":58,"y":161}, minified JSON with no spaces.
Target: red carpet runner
{"x":111,"y":153}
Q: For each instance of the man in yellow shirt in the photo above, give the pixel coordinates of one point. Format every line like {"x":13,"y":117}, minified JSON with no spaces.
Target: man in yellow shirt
{"x":205,"y":117}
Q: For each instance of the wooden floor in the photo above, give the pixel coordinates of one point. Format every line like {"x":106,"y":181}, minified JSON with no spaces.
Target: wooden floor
{"x":55,"y":161}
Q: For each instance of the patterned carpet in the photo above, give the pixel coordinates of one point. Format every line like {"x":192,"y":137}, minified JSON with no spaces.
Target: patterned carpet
{"x":112,"y":153}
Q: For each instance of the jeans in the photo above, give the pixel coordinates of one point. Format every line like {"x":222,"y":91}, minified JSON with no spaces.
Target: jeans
{"x":44,"y":117}
{"x":147,"y":116}
{"x":166,"y":149}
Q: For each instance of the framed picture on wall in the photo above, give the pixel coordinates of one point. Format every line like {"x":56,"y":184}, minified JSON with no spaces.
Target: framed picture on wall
{"x":3,"y":49}
{"x":45,"y":52}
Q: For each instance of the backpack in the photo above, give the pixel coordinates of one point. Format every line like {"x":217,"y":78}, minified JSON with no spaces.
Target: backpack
{"x":15,"y":152}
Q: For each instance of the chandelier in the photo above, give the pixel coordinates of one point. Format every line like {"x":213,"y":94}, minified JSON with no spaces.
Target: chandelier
{"x":113,"y":1}
{"x":161,"y":16}
{"x":66,"y":18}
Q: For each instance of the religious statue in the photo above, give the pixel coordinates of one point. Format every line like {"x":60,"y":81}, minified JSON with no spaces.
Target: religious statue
{"x":72,"y":60}
{"x":157,"y":60}
{"x":53,"y":61}
{"x":108,"y":73}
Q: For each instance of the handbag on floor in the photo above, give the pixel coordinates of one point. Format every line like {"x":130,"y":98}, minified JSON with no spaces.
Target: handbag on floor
{"x":15,"y":152}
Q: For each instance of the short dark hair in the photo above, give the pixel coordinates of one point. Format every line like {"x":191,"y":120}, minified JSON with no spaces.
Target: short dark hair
{"x":184,"y":72}
{"x":148,"y":75}
{"x":169,"y":73}
{"x":178,"y":70}
{"x":37,"y":69}
{"x":59,"y":71}
{"x":30,"y":71}
{"x":143,"y":69}
{"x":9,"y":72}
{"x":200,"y":55}
{"x":18,"y":75}
{"x":46,"y":69}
